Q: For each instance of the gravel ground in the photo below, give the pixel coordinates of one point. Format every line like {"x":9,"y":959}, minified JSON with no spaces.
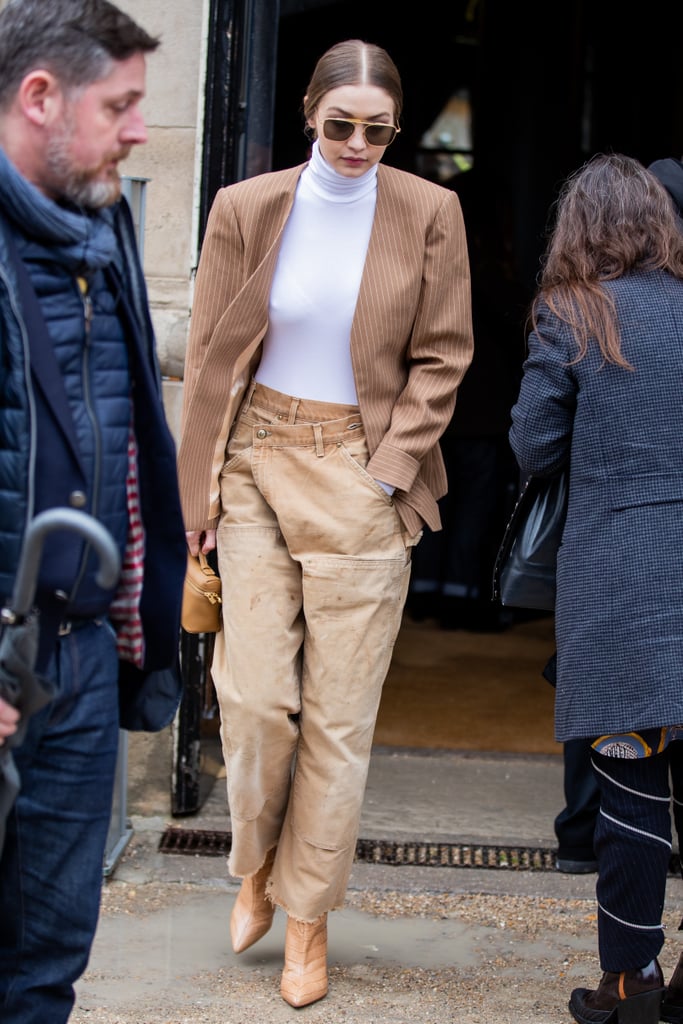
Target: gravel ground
{"x":412,"y":945}
{"x":163,"y":957}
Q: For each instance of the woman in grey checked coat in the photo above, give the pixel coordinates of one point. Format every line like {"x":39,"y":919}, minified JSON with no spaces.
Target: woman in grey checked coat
{"x":602,"y":389}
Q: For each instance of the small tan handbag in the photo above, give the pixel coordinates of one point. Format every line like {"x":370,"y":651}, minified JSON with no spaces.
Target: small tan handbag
{"x":201,"y":611}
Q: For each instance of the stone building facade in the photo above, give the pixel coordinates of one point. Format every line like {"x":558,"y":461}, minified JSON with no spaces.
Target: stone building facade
{"x":168,"y":166}
{"x":169,"y":162}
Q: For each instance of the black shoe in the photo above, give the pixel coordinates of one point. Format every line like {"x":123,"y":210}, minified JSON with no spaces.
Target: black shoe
{"x":576,"y":867}
{"x":630,"y":997}
{"x":672,"y":1007}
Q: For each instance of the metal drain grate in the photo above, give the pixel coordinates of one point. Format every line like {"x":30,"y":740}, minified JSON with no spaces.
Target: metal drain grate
{"x":195,"y":842}
{"x":454,"y":855}
{"x":205,"y":843}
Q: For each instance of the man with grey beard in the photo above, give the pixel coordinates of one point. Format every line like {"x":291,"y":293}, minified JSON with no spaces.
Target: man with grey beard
{"x":82,"y":426}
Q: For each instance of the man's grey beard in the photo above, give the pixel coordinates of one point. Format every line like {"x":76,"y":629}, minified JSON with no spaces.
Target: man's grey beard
{"x":73,"y":184}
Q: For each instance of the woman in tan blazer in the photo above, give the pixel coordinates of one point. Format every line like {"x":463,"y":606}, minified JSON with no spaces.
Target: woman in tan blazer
{"x":330,"y":330}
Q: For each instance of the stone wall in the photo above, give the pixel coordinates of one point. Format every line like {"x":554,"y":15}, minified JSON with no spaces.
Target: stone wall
{"x":169,"y":161}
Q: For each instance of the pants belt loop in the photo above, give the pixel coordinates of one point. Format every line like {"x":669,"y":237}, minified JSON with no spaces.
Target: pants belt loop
{"x":250,"y":394}
{"x":293,"y":409}
{"x":318,"y":435}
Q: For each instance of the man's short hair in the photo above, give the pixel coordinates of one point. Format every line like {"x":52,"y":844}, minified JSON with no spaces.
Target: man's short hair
{"x":76,"y":40}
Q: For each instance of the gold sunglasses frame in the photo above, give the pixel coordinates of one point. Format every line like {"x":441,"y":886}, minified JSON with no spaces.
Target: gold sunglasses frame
{"x":366,"y":124}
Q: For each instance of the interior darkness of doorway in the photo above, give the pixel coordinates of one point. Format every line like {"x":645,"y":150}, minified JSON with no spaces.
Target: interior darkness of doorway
{"x":550,"y":85}
{"x":434,"y":62}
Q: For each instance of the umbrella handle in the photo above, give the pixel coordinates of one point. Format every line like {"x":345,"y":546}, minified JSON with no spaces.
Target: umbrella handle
{"x":32,"y":548}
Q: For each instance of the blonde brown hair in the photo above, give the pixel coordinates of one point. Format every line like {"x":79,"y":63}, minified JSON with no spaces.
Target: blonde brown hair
{"x":354,"y":62}
{"x":613,"y":216}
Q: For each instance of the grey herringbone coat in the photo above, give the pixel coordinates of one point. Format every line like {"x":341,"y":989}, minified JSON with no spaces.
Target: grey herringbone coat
{"x":619,"y":615}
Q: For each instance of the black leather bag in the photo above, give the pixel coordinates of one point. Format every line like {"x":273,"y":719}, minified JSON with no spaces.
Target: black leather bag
{"x":525,"y":566}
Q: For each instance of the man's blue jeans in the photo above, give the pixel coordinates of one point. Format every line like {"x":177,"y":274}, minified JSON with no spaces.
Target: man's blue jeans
{"x":51,"y":866}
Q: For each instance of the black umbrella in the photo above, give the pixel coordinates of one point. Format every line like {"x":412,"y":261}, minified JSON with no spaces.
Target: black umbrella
{"x":19,"y":630}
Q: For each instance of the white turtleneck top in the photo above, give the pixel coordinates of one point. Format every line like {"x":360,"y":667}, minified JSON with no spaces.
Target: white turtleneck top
{"x":306,"y":350}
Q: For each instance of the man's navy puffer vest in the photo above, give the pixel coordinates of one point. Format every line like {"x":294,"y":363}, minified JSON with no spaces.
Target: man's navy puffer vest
{"x":39,"y":457}
{"x":91,"y":351}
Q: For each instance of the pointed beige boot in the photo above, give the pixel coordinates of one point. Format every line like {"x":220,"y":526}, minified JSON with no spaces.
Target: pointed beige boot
{"x":304,"y":979}
{"x":253,"y":912}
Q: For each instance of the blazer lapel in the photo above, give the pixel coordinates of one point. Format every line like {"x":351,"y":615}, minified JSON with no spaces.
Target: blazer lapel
{"x":387,"y":242}
{"x":243,"y":324}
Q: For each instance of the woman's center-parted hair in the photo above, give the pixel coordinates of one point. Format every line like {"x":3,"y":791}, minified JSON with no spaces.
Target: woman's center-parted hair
{"x":354,"y":62}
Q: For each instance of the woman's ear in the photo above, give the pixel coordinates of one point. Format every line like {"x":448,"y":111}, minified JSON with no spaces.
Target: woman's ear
{"x":310,"y":128}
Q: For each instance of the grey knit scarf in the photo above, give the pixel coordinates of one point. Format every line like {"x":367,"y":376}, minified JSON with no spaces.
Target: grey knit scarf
{"x":80,"y":240}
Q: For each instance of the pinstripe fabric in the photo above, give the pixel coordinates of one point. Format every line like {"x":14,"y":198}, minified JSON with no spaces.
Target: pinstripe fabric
{"x":411,"y":339}
{"x":633,"y":846}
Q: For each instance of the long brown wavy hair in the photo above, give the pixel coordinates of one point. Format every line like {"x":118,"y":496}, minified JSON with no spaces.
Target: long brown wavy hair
{"x":612,"y":217}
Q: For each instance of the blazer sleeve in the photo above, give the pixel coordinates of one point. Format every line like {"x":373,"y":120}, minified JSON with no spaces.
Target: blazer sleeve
{"x":219,"y":277}
{"x":543,"y":416}
{"x":439,"y":351}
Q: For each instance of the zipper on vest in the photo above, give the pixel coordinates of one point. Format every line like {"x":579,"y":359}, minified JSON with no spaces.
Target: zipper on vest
{"x":84,"y":289}
{"x":87,"y":305}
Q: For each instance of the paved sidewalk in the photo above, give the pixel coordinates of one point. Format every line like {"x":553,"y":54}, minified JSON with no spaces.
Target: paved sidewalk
{"x":413,"y":943}
{"x":439,"y":795}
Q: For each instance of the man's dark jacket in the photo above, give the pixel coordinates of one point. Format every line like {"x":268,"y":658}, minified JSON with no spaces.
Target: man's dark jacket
{"x":36,"y":434}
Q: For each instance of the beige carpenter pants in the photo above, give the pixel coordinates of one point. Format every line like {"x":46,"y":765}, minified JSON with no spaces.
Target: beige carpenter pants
{"x":315,"y":567}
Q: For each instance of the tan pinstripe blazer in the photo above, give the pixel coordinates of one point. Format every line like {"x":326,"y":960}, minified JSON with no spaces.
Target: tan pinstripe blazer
{"x":411,"y":339}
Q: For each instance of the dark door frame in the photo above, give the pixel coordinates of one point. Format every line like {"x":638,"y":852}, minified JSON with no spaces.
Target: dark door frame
{"x":239,"y":101}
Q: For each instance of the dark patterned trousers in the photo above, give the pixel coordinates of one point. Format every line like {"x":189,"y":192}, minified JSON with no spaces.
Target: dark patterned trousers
{"x":633,"y":848}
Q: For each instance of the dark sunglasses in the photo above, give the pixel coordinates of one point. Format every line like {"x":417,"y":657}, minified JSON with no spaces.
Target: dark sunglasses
{"x":338,"y":129}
